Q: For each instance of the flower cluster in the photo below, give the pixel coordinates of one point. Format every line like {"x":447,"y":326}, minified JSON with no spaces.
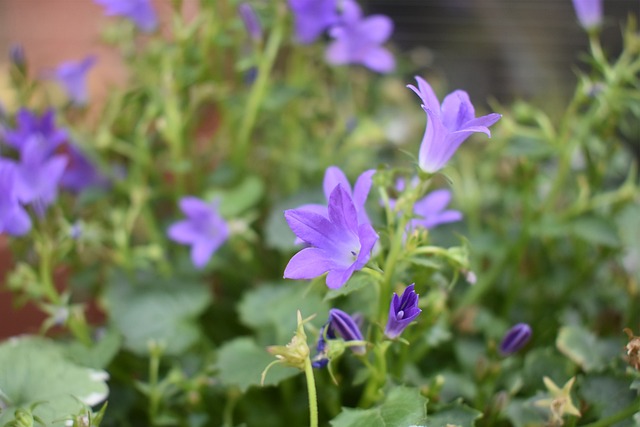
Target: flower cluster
{"x":46,"y":161}
{"x":357,"y":39}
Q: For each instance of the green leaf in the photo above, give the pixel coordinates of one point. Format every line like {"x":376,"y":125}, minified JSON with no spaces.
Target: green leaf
{"x":607,"y":395}
{"x":241,"y":362}
{"x":239,"y":199}
{"x":99,"y":355}
{"x":355,"y":283}
{"x":145,"y":308}
{"x":595,"y":230}
{"x":455,"y":414}
{"x":403,"y":407}
{"x":582,"y":347}
{"x":35,"y":370}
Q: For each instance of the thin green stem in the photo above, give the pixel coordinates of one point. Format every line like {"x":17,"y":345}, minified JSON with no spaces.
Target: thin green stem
{"x":625,"y":414}
{"x":311,"y":391}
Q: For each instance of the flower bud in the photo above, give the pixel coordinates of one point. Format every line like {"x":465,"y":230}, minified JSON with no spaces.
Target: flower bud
{"x":515,"y":338}
{"x":589,"y":13}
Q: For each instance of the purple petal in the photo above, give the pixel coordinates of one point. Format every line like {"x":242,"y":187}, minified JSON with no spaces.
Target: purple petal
{"x":338,"y":53}
{"x":194,"y":207}
{"x":456,"y":110}
{"x":314,"y":229}
{"x":360,"y":194}
{"x":380,"y":60}
{"x":202,"y":251}
{"x":368,"y":238}
{"x":16,"y":222}
{"x":307,"y":264}
{"x":434,"y":202}
{"x":351,"y":11}
{"x":333,"y":177}
{"x":377,"y":27}
{"x":337,"y":278}
{"x":432,"y":156}
{"x":589,"y":12}
{"x":184,"y":232}
{"x":484,"y":121}
{"x":342,"y":212}
{"x":426,"y":94}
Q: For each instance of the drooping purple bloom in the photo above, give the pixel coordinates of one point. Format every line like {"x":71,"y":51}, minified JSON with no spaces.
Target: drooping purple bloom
{"x":337,"y":244}
{"x":358,"y":40}
{"x":30,"y":125}
{"x":251,"y":21}
{"x":72,"y":76}
{"x":80,"y":172}
{"x":14,"y":220}
{"x":140,"y":12}
{"x":402,"y":311}
{"x":38,"y":175}
{"x":515,"y":338}
{"x":448,"y":125}
{"x":333,"y":177}
{"x":204,"y":229}
{"x":589,"y":13}
{"x":312,"y":18}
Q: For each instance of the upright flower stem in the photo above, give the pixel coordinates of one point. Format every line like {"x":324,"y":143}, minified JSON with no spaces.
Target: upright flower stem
{"x":311,"y":391}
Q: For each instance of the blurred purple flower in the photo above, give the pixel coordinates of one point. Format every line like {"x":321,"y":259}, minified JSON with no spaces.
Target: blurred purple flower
{"x":431,"y":210}
{"x":589,"y":13}
{"x":17,"y":57}
{"x":204,"y":229}
{"x":141,"y":12}
{"x":30,"y":125}
{"x":38,"y":175}
{"x":14,"y":220}
{"x":448,"y":126}
{"x":402,"y":311}
{"x":515,"y":338}
{"x":80,"y":172}
{"x":72,"y":76}
{"x":333,"y":177}
{"x":251,"y":21}
{"x":312,"y":18}
{"x":358,"y":40}
{"x":338,"y":244}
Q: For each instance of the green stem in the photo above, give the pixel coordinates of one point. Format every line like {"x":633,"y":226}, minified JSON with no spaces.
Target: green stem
{"x":155,"y":394}
{"x":311,"y":390}
{"x":260,"y":86}
{"x":626,"y":413}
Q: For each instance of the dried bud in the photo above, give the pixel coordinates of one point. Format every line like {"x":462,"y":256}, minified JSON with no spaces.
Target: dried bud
{"x":633,"y":349}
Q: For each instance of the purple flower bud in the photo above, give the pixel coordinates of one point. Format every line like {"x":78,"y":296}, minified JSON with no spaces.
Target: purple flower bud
{"x":589,"y":13}
{"x":251,"y":21}
{"x":515,"y":338}
{"x":344,"y":325}
{"x":16,"y":55}
{"x":402,"y":311}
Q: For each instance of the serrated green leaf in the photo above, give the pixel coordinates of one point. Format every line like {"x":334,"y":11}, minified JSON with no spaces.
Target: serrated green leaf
{"x":241,"y":362}
{"x":403,"y":407}
{"x":36,"y":370}
{"x":582,"y":347}
{"x":146,"y":308}
{"x":456,"y":414}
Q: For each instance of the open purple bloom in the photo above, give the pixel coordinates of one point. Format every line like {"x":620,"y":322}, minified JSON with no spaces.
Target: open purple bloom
{"x":251,"y":21}
{"x":14,"y":220}
{"x":448,"y":125}
{"x":204,"y":229}
{"x":589,"y":13}
{"x":38,"y":175}
{"x":333,"y":177}
{"x":312,"y":18}
{"x":80,"y":172}
{"x":515,"y":338}
{"x":72,"y":75}
{"x":358,"y":40}
{"x":140,"y":12}
{"x":337,"y":244}
{"x":431,"y":210}
{"x":402,"y":311}
{"x":30,"y":125}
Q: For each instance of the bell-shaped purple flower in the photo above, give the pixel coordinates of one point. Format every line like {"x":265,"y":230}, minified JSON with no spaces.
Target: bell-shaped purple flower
{"x":358,"y":40}
{"x":80,"y":172}
{"x":402,"y":311}
{"x":515,"y":338}
{"x":140,"y":12}
{"x":448,"y":125}
{"x":30,"y":125}
{"x":14,"y":220}
{"x":312,"y":18}
{"x":72,"y":76}
{"x":204,"y":229}
{"x":337,"y":243}
{"x":589,"y":13}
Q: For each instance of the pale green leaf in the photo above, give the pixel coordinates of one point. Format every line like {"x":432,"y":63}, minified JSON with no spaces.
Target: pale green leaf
{"x":456,"y":414}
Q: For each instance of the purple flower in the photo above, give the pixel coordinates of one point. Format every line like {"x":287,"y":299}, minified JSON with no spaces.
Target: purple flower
{"x":80,"y":172}
{"x":337,"y":244}
{"x":333,"y":177}
{"x":30,"y":126}
{"x":431,"y":210}
{"x":204,"y":229}
{"x":14,"y":220}
{"x":448,"y":126}
{"x":17,"y":57}
{"x":139,"y":11}
{"x":72,"y":75}
{"x":38,"y":175}
{"x":515,"y":338}
{"x":589,"y":13}
{"x":251,"y":21}
{"x":402,"y":311}
{"x":312,"y":18}
{"x":358,"y":40}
